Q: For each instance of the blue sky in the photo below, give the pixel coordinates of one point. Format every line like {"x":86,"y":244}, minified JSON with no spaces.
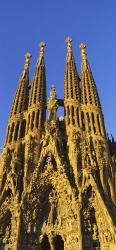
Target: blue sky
{"x":25,"y":23}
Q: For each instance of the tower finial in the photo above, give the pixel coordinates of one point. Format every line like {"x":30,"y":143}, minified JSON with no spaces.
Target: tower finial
{"x":82,"y":46}
{"x":27,"y":60}
{"x":42,"y":46}
{"x":69,"y":45}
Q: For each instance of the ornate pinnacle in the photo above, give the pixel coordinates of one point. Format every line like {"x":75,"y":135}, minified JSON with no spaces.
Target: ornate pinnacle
{"x":82,"y":46}
{"x":69,"y":45}
{"x":42,"y":46}
{"x":27,"y":60}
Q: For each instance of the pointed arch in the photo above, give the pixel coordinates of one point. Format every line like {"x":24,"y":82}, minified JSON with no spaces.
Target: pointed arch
{"x":45,"y":245}
{"x":46,"y":160}
{"x":58,"y":243}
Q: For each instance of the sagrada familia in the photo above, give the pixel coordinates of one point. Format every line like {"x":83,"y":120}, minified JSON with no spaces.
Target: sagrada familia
{"x":57,"y":174}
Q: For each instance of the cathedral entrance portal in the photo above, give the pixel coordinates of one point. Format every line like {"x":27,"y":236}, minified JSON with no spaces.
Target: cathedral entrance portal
{"x":58,"y":243}
{"x":45,"y":245}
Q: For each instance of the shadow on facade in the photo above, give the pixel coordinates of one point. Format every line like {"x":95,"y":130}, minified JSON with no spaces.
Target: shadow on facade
{"x":57,"y":242}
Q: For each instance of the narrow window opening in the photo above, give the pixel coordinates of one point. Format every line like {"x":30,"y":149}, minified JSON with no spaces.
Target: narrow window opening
{"x":28,"y":123}
{"x":88,"y":122}
{"x":68,"y":114}
{"x":23,"y":126}
{"x":16,"y":131}
{"x":54,"y":215}
{"x":73,"y":118}
{"x":43,"y":117}
{"x":32,"y":120}
{"x":45,"y":245}
{"x":93,"y":123}
{"x":99,"y":125}
{"x":83,"y":120}
{"x":58,"y":243}
{"x":54,"y":163}
{"x":37,"y":119}
{"x":77,"y":112}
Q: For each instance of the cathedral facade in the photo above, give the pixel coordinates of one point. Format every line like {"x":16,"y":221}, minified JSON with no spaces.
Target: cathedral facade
{"x":57,"y":174}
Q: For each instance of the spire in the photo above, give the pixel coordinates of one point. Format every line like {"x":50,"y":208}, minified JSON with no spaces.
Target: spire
{"x":69,"y":48}
{"x":83,"y":54}
{"x":20,"y":102}
{"x":38,"y":88}
{"x":94,"y":120}
{"x":89,"y":90}
{"x":71,"y":81}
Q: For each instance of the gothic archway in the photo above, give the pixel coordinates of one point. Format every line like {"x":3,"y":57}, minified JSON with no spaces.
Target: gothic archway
{"x":45,"y":245}
{"x":58,"y":243}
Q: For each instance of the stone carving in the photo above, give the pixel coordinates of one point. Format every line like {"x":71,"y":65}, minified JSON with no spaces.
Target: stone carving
{"x":52,"y":105}
{"x":57,"y":176}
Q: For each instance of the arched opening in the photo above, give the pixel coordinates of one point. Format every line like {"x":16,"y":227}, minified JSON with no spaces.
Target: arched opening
{"x":83,"y":120}
{"x":42,"y":117}
{"x":23,"y":127}
{"x":28,"y":124}
{"x":32,"y":120}
{"x":60,"y":112}
{"x":58,"y":243}
{"x":37,"y":119}
{"x":16,"y":131}
{"x":73,"y":117}
{"x":78,"y":121}
{"x":98,"y":121}
{"x":45,"y":245}
{"x":93,"y":122}
{"x":68,"y":114}
{"x":88,"y":122}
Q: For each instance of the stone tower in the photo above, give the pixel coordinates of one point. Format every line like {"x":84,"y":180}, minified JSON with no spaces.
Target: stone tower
{"x":57,"y":174}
